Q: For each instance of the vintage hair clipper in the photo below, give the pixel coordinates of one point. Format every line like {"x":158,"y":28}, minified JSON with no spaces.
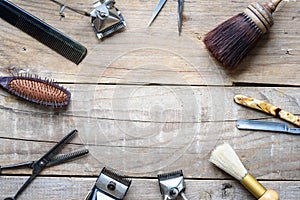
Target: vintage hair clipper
{"x":172,"y":185}
{"x":109,"y":186}
{"x":106,"y":18}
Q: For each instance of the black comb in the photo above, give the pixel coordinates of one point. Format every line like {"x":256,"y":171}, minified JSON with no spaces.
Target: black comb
{"x":42,"y":32}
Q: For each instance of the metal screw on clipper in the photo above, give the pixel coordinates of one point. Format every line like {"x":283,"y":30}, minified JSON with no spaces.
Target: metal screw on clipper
{"x":172,"y":185}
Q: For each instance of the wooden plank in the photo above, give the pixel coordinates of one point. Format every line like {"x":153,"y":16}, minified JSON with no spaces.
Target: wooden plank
{"x":77,"y":188}
{"x":141,"y":105}
{"x":144,"y":130}
{"x":145,"y":55}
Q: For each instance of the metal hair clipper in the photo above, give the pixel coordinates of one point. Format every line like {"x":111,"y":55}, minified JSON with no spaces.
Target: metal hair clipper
{"x":172,"y":185}
{"x":109,"y":186}
{"x":106,"y":18}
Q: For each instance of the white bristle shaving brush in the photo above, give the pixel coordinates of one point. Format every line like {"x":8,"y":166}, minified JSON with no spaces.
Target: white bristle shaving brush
{"x":224,"y":157}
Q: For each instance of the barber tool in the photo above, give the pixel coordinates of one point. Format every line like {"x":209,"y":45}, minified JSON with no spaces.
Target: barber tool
{"x":64,"y":6}
{"x":172,"y":185}
{"x":158,"y":8}
{"x":106,"y":18}
{"x":232,"y":40}
{"x":110,"y":185}
{"x":36,"y":90}
{"x":267,"y":108}
{"x":224,"y":157}
{"x":42,"y":32}
{"x":259,"y":125}
{"x":49,"y":159}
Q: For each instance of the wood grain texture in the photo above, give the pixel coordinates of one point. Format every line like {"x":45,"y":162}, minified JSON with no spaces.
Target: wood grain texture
{"x":77,"y":188}
{"x":146,"y":101}
{"x":148,"y":129}
{"x":273,"y":61}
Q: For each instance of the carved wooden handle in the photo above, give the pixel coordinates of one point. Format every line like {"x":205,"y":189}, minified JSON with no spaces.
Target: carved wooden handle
{"x":267,"y":108}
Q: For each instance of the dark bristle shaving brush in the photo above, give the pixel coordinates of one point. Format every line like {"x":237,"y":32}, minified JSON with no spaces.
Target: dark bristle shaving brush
{"x":224,"y":157}
{"x":36,"y":90}
{"x":232,"y":40}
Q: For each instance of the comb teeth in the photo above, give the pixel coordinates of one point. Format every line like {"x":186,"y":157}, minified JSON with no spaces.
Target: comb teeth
{"x":42,"y":32}
{"x":116,"y":176}
{"x":170,"y":175}
{"x":53,"y":39}
{"x":36,"y":90}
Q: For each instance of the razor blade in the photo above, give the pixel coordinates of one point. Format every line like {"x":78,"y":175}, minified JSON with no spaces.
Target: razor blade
{"x":109,"y":186}
{"x":172,"y":185}
{"x":106,"y":18}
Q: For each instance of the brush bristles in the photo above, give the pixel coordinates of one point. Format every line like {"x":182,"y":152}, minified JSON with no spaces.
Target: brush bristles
{"x":224,"y":157}
{"x":39,"y":91}
{"x":231,"y":41}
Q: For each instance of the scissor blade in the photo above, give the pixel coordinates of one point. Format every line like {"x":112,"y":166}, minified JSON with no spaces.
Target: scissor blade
{"x":158,"y":8}
{"x":180,"y":11}
{"x":53,"y":151}
{"x":67,"y":157}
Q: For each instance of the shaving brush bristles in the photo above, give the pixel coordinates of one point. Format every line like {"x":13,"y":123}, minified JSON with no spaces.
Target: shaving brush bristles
{"x":232,"y":40}
{"x":225,"y":158}
{"x":36,"y":90}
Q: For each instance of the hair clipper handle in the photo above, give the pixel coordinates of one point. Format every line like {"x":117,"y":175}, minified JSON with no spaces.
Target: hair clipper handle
{"x":269,"y":195}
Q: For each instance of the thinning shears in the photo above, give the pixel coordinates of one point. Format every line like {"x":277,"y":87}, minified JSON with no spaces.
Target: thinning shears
{"x":158,"y":8}
{"x":49,"y":159}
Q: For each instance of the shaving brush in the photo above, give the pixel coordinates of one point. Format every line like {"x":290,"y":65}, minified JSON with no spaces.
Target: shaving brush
{"x":224,"y":157}
{"x":232,"y":40}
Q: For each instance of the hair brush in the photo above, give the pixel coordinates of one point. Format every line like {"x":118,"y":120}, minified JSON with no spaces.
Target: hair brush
{"x":36,"y":90}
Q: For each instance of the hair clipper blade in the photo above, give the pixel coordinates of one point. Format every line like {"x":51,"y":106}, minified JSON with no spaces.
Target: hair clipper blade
{"x":106,"y":18}
{"x":172,"y":185}
{"x":109,"y":186}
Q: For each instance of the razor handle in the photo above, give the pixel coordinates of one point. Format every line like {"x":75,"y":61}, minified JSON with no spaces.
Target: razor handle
{"x":42,"y":32}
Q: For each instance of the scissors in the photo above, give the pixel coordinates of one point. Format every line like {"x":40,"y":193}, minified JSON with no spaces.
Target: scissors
{"x":49,"y":159}
{"x":158,"y":8}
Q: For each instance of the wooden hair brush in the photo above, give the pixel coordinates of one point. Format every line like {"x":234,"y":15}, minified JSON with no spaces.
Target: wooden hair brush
{"x":231,"y":41}
{"x":36,"y":90}
{"x":225,"y":158}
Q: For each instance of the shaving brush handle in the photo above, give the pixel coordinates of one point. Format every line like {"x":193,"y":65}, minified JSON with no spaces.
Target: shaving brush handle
{"x":271,"y":6}
{"x":269,"y":195}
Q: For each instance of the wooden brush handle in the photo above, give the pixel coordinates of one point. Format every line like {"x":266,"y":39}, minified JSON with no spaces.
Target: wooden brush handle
{"x":267,"y":108}
{"x":270,"y":195}
{"x":261,"y":15}
{"x":276,"y":2}
{"x":271,"y":6}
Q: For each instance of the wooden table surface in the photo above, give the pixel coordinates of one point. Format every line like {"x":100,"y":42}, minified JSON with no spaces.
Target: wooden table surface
{"x":147,"y":101}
